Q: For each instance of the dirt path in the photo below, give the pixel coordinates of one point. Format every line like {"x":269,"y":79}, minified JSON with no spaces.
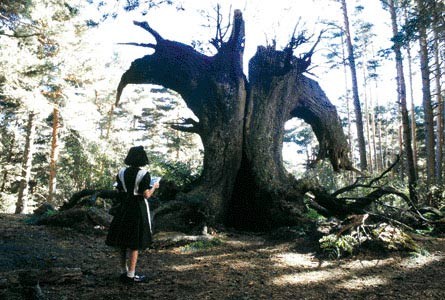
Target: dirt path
{"x":242,"y":267}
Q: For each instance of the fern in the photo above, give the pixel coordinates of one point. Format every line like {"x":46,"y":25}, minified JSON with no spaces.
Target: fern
{"x":336,"y":247}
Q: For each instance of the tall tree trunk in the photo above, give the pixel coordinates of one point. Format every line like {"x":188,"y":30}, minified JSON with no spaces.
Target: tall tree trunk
{"x":402,"y":159}
{"x":413,"y":111}
{"x":347,"y":99}
{"x":426,"y":94}
{"x":355,"y":93}
{"x":53,"y":155}
{"x":401,"y":92}
{"x":440,"y":105}
{"x":373,"y":133}
{"x":22,"y":199}
{"x":381,"y":162}
{"x":367,"y":118}
{"x":241,"y":125}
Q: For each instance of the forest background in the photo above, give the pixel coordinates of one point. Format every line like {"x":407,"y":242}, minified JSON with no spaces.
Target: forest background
{"x":61,"y":62}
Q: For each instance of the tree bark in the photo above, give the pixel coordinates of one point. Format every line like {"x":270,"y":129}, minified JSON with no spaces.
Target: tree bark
{"x":22,"y":198}
{"x":214,"y":88}
{"x":381,"y":161}
{"x":241,"y":125}
{"x":265,"y":193}
{"x":401,"y":92}
{"x":413,"y":111}
{"x":53,"y":156}
{"x":426,"y":94}
{"x":347,"y":99}
{"x":367,"y":120}
{"x":374,"y":134}
{"x":439,"y":97}
{"x":356,"y":99}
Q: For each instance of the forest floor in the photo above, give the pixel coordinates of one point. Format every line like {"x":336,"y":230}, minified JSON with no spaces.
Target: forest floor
{"x":239,"y":266}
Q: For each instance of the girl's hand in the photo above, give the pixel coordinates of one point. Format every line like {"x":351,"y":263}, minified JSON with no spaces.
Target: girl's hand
{"x":148,"y":193}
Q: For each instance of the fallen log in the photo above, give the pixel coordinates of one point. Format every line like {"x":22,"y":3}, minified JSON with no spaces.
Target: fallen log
{"x":341,"y":205}
{"x":89,"y":197}
{"x":81,"y":218}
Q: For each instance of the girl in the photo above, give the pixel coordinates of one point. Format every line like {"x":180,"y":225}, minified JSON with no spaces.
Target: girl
{"x":130,"y":229}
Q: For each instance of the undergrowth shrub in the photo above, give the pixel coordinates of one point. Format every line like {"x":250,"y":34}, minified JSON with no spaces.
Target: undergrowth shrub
{"x":201,"y":245}
{"x":34,"y":218}
{"x":388,"y":237}
{"x":335,"y":247}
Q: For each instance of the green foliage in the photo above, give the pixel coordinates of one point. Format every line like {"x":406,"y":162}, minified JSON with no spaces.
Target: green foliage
{"x":385,"y":236}
{"x":6,"y":201}
{"x":181,"y":173}
{"x":82,"y":164}
{"x":433,"y":195}
{"x":33,"y":219}
{"x":336,"y":247}
{"x":86,"y":164}
{"x":12,"y":9}
{"x":325,"y":176}
{"x":425,"y":231}
{"x":422,"y":252}
{"x":312,"y":214}
{"x":202,"y":245}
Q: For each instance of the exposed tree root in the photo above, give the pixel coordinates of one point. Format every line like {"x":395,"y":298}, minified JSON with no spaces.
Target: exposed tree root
{"x":341,"y":205}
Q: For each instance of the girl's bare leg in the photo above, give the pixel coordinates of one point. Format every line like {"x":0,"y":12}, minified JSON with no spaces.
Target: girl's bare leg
{"x":133,"y":256}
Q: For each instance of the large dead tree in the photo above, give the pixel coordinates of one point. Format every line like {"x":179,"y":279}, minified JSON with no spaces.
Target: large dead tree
{"x":241,"y":124}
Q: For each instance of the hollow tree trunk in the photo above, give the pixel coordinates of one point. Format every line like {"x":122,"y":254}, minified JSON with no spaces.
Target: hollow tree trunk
{"x":214,"y":89}
{"x":265,"y":193}
{"x":241,"y":124}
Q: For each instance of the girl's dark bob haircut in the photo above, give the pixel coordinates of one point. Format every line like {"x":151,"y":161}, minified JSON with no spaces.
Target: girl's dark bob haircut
{"x":136,"y":157}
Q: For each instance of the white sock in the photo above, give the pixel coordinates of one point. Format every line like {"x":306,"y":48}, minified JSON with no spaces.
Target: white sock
{"x":130,"y":274}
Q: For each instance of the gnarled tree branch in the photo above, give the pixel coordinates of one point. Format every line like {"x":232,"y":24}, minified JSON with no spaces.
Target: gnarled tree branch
{"x":155,"y":34}
{"x":313,"y":106}
{"x":153,"y":46}
{"x":188,"y":125}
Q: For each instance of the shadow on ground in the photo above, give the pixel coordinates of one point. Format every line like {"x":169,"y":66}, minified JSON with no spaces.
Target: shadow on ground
{"x":243,"y":266}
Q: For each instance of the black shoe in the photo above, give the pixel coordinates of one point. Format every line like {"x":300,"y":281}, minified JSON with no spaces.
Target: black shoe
{"x":136,"y":279}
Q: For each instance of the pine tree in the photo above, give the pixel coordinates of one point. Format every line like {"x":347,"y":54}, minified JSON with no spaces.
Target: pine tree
{"x":363,"y":48}
{"x":438,"y":24}
{"x":355,"y":92}
{"x":422,"y":25}
{"x":401,"y":91}
{"x":22,"y":199}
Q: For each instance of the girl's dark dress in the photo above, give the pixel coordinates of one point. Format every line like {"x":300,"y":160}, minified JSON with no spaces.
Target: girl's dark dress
{"x":131,"y":228}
